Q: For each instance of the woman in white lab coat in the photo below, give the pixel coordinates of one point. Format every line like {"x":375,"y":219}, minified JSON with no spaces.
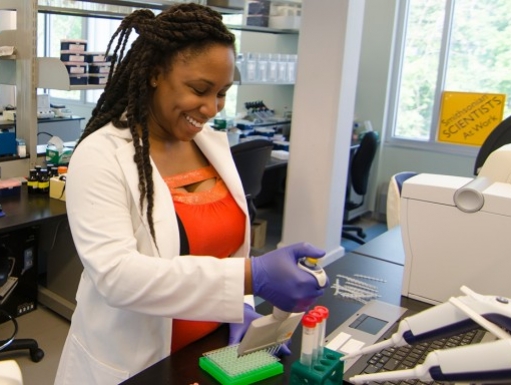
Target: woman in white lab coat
{"x":149,"y":127}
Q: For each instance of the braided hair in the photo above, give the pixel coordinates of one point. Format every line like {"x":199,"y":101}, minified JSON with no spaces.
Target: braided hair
{"x":182,"y":27}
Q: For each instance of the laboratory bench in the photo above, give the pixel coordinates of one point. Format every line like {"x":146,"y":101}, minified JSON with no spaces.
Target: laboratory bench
{"x":68,"y":129}
{"x":183,"y":367}
{"x":58,"y":265}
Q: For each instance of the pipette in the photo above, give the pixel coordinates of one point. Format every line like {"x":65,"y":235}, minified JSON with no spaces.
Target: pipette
{"x":484,"y":362}
{"x":445,"y":320}
{"x":277,"y":328}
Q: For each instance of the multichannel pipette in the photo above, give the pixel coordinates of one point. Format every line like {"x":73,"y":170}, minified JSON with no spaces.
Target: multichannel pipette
{"x":271,"y":331}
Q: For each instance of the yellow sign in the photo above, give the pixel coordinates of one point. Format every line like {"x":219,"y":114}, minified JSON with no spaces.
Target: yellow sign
{"x":468,"y":118}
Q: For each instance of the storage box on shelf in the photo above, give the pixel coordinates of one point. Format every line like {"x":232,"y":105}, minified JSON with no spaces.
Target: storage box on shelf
{"x":277,"y":15}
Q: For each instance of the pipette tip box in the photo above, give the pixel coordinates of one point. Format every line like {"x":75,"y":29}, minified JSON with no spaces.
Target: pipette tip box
{"x":229,"y":369}
{"x":327,"y":370}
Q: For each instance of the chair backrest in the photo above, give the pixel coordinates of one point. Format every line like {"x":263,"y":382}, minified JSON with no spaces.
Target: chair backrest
{"x":393,"y":209}
{"x":251,"y":158}
{"x":500,"y":136}
{"x":362,"y":161}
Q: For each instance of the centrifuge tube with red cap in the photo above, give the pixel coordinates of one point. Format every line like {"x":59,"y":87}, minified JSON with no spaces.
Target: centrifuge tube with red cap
{"x":316,"y":350}
{"x":309,"y":325}
{"x":322,"y":326}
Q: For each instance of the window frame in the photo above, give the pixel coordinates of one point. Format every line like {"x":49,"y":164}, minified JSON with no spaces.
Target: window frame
{"x":397,"y":56}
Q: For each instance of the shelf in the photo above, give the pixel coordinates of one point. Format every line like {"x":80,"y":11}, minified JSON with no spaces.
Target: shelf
{"x":250,"y":28}
{"x":52,"y":73}
{"x":10,"y":5}
{"x":113,"y":9}
{"x":86,"y":5}
{"x":126,"y":7}
{"x":247,"y":83}
{"x":83,"y":13}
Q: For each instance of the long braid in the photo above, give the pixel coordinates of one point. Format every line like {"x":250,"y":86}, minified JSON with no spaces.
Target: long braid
{"x":124,"y":101}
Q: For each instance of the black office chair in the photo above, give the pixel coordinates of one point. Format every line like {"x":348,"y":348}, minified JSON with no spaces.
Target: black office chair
{"x":500,"y":136}
{"x":358,"y":180}
{"x":11,"y":343}
{"x":251,"y":158}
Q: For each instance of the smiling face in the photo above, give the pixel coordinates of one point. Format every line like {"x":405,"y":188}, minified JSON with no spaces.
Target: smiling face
{"x":190,"y":92}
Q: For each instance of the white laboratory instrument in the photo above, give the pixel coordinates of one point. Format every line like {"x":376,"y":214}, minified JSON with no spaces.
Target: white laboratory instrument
{"x":455,"y":231}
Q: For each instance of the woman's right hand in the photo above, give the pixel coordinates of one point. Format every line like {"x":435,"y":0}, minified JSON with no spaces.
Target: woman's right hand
{"x":277,"y":278}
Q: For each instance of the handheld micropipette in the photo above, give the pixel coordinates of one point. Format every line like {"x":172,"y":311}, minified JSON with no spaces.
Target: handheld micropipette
{"x":484,"y":362}
{"x":445,"y":320}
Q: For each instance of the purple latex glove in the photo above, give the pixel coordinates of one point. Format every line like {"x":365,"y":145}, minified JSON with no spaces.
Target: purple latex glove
{"x":237,"y":330}
{"x":277,"y":278}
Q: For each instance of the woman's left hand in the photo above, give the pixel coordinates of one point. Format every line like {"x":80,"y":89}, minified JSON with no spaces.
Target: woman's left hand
{"x":238,"y":330}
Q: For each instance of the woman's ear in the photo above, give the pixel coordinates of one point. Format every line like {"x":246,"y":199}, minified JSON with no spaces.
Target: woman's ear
{"x":154,"y":78}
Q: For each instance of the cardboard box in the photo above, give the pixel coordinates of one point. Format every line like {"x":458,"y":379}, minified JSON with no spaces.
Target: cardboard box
{"x":258,"y":234}
{"x":230,"y":4}
{"x":58,"y":188}
{"x":74,"y":45}
{"x":10,"y":187}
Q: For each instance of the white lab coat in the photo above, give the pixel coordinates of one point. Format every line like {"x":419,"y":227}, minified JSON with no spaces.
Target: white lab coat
{"x":130,"y":289}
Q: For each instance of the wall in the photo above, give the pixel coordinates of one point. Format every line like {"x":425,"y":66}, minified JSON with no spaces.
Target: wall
{"x":324,"y":103}
{"x":372,"y":99}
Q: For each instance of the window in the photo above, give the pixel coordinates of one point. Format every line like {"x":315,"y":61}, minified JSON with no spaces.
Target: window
{"x":451,"y":45}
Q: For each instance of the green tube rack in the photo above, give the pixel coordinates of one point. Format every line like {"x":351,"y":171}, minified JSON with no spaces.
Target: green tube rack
{"x":229,"y":369}
{"x":326,"y":370}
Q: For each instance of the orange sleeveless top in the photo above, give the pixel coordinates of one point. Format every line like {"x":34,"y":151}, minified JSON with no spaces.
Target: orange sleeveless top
{"x":214,"y":225}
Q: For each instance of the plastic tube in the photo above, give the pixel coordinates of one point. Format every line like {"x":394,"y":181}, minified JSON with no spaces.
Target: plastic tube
{"x":322,"y":327}
{"x":316,"y":349}
{"x":309,"y":325}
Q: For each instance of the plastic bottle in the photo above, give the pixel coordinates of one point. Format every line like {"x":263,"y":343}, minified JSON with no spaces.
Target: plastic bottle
{"x":251,"y":67}
{"x":43,"y":182}
{"x":291,"y":68}
{"x":262,"y":67}
{"x":62,"y":170}
{"x":282,"y":68}
{"x":37,"y":175}
{"x":32,"y":182}
{"x":240,"y":63}
{"x":273,"y":67}
{"x":309,"y":324}
{"x":54,"y":171}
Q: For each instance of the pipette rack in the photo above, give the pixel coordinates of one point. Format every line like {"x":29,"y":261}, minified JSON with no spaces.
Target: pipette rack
{"x":326,"y":370}
{"x":229,"y":369}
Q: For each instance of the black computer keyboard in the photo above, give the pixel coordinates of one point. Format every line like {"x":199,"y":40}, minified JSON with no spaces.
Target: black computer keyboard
{"x":407,"y":357}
